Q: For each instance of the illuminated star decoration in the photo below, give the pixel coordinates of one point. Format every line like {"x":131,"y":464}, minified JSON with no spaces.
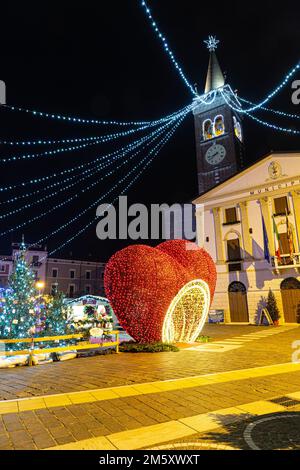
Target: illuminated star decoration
{"x":212,"y":43}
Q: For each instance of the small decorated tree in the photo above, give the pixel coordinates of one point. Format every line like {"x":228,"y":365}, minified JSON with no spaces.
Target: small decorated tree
{"x":18,"y":318}
{"x":272,"y":307}
{"x":56,"y":315}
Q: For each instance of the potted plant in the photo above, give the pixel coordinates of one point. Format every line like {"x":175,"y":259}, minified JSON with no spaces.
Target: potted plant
{"x":273,"y":308}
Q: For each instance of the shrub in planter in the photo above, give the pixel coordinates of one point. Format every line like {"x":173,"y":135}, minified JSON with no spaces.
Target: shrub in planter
{"x":272,"y":307}
{"x":203,"y":339}
{"x":133,"y":347}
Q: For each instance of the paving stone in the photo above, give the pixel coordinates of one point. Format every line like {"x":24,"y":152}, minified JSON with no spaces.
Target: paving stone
{"x":20,"y":437}
{"x":44,"y":442}
{"x":65,"y":439}
{"x":83,"y":421}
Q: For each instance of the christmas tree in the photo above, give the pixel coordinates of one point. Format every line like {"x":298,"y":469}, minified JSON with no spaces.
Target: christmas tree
{"x":57,"y":314}
{"x":272,"y":306}
{"x":18,"y":316}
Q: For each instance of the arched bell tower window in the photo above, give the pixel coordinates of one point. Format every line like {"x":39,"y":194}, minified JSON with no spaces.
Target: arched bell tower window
{"x":237,"y":129}
{"x":207,"y":129}
{"x":219,"y":126}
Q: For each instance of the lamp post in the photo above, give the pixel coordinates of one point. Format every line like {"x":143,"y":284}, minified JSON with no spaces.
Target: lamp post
{"x":40,"y":286}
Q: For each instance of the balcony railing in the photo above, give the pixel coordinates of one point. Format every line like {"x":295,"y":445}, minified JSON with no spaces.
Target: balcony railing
{"x":286,"y":261}
{"x":234,"y":265}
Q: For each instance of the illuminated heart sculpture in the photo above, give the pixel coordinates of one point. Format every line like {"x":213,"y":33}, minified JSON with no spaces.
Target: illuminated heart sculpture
{"x":162,"y":293}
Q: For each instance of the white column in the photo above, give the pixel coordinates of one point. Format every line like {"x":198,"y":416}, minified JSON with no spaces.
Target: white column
{"x":200,"y":225}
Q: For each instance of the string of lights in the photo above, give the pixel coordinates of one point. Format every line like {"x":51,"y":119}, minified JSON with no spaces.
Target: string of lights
{"x":207,"y":99}
{"x":78,"y":233}
{"x":130,"y":146}
{"x":274,"y":111}
{"x":114,"y":157}
{"x":166,"y":46}
{"x":91,"y":172}
{"x":260,"y":121}
{"x":98,"y":141}
{"x":273,"y":126}
{"x":72,"y":119}
{"x":58,"y":206}
{"x":274,"y":92}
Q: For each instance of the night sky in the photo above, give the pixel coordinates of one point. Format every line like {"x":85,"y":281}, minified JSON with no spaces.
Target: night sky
{"x":102,"y":60}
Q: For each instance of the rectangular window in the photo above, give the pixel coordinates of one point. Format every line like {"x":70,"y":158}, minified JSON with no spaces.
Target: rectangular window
{"x":284,"y":243}
{"x":72,"y":274}
{"x":2,"y":268}
{"x":281,"y":205}
{"x":88,"y":274}
{"x":54,"y":288}
{"x":71,"y":290}
{"x":54,"y":272}
{"x":231,"y":215}
{"x":234,"y":250}
{"x":35,"y":259}
{"x":234,"y":254}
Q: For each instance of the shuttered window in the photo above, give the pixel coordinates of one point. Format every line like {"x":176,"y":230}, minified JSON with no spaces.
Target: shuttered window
{"x":281,"y":205}
{"x":231,"y":215}
{"x":234,"y":250}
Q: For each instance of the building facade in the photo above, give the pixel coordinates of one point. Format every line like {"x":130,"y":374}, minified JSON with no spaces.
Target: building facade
{"x":72,"y":277}
{"x":250,"y":225}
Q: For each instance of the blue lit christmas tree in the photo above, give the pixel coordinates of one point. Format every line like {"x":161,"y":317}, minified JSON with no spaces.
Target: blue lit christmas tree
{"x":17,"y":319}
{"x":56,"y":316}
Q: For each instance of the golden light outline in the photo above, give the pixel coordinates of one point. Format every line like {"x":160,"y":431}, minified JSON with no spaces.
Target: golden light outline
{"x":168,"y":332}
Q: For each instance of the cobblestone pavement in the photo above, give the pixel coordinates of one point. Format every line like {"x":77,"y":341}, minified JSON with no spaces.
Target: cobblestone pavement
{"x":276,"y":431}
{"x":114,"y":370}
{"x":50,"y":427}
{"x":118,"y":422}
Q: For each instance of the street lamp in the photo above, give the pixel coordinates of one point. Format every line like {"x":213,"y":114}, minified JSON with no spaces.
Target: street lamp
{"x":40,"y":286}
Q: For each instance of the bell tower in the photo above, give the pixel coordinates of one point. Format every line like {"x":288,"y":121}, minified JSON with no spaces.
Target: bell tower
{"x":218,"y":128}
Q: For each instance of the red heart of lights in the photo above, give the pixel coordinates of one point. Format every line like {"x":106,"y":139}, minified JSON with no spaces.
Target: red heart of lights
{"x":162,"y":293}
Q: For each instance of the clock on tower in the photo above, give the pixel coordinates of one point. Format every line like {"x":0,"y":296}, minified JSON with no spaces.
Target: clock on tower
{"x":219,"y":135}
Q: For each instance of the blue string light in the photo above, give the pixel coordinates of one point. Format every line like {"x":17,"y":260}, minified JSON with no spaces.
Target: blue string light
{"x":273,"y":93}
{"x":273,"y":111}
{"x":47,"y":142}
{"x":97,"y":141}
{"x":164,"y":141}
{"x":273,"y":126}
{"x":60,"y":117}
{"x":91,"y":172}
{"x":58,"y":206}
{"x":166,"y":46}
{"x":260,"y":121}
{"x":128,"y":147}
{"x":112,"y":158}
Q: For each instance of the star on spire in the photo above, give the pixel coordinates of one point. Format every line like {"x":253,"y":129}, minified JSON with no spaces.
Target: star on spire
{"x":212,"y":43}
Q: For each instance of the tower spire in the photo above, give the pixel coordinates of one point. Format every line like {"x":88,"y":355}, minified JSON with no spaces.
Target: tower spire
{"x":215,"y":78}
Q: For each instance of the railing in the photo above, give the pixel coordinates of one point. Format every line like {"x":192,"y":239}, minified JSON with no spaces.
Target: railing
{"x":234,"y":265}
{"x":83,"y":345}
{"x":286,"y":261}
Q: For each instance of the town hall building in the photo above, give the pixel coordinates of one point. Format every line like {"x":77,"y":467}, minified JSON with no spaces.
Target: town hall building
{"x":250,"y":225}
{"x":248,"y":219}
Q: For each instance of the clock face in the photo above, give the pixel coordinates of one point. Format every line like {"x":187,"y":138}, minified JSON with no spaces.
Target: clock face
{"x":215,"y":154}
